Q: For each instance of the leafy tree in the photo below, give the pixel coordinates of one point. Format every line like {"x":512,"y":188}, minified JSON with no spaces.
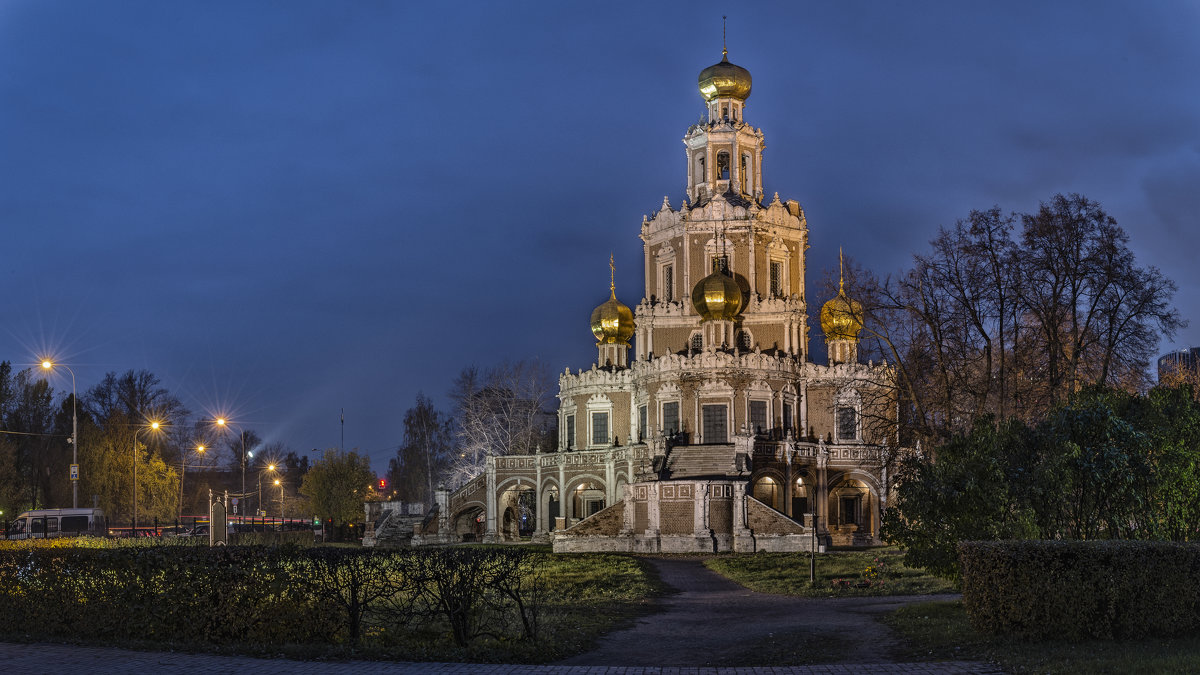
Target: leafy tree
{"x":424,"y":455}
{"x":1108,"y":464}
{"x":971,"y":491}
{"x":118,"y":407}
{"x":338,"y":484}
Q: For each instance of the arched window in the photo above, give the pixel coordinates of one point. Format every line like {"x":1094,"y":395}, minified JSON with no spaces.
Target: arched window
{"x":744,"y":341}
{"x":697,"y":342}
{"x":722,"y":165}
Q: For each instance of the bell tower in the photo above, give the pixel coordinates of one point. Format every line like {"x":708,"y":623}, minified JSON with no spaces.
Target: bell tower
{"x":724,"y":154}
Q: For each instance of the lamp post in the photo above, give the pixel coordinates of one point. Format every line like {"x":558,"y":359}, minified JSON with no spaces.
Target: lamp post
{"x":47,"y":364}
{"x":222,"y":422}
{"x":183,"y":460}
{"x":258,"y":498}
{"x":153,"y":426}
{"x":280,"y":484}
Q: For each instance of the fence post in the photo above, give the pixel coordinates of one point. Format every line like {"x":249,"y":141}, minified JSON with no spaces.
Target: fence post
{"x":157,"y":532}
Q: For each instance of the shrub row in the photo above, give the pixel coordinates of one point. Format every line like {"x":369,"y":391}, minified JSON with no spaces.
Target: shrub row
{"x":1082,"y":589}
{"x":266,"y":596}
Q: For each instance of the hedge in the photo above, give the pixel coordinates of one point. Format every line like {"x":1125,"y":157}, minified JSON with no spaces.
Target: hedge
{"x":1082,"y":589}
{"x":265,"y":596}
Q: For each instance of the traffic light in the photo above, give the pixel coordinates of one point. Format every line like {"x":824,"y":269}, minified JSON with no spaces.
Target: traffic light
{"x":382,"y":484}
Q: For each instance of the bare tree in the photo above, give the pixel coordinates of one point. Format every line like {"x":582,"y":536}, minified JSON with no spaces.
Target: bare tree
{"x":982,"y":324}
{"x":498,"y":412}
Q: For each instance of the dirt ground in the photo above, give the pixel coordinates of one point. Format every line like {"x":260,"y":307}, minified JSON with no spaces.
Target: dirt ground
{"x":712,"y":621}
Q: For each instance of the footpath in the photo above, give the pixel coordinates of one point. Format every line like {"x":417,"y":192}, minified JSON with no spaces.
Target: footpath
{"x":709,"y":626}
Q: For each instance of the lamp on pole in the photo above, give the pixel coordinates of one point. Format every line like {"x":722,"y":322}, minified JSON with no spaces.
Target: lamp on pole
{"x":222,"y":422}
{"x":280,"y":484}
{"x":270,"y":468}
{"x":153,"y":426}
{"x":47,"y":364}
{"x":183,"y":460}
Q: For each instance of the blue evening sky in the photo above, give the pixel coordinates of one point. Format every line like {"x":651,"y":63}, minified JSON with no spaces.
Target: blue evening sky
{"x":288,"y":208}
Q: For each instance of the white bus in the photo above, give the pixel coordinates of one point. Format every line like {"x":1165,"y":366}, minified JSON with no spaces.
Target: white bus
{"x":56,"y":523}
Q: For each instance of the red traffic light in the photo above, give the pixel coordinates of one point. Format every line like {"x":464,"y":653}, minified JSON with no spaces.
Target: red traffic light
{"x":382,"y":484}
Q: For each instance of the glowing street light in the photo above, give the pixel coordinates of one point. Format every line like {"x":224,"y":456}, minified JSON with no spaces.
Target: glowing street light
{"x":47,"y":364}
{"x":183,"y":460}
{"x":280,"y":484}
{"x":153,"y":426}
{"x":224,"y":423}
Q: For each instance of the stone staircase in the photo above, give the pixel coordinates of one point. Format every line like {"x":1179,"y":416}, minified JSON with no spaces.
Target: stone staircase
{"x":702,"y":461}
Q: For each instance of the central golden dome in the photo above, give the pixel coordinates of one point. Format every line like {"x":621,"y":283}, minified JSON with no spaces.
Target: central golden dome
{"x":725,"y":80}
{"x":717,"y":297}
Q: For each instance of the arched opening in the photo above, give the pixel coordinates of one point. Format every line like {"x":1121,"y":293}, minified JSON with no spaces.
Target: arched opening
{"x":722,"y":165}
{"x":799,"y":498}
{"x":744,"y":340}
{"x":697,"y":342}
{"x":767,"y":490}
{"x":469,"y":524}
{"x":553,"y":507}
{"x":851,"y":508}
{"x":587,"y":500}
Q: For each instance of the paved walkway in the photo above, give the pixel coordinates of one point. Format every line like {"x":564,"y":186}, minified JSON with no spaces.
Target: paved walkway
{"x":47,"y":659}
{"x":711,"y":626}
{"x":714,"y":622}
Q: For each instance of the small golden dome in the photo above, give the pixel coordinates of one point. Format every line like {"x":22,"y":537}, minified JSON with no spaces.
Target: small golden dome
{"x":612,"y":322}
{"x":725,"y":80}
{"x":717,"y":297}
{"x":841,"y":317}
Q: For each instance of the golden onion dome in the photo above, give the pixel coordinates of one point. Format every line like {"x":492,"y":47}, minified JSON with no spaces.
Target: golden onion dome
{"x":725,"y":80}
{"x":612,"y":321}
{"x":841,"y":317}
{"x":717,"y":297}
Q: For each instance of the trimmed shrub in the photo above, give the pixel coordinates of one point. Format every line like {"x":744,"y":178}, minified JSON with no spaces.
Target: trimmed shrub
{"x":257,"y":595}
{"x":1082,"y":589}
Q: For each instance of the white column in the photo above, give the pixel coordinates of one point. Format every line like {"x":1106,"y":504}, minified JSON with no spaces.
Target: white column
{"x":562,"y":489}
{"x":489,"y":534}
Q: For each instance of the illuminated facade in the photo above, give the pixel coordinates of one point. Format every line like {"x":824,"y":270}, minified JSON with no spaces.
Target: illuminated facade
{"x":714,"y":430}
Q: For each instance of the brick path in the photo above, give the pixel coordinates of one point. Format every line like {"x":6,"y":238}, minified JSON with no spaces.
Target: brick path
{"x":52,"y":659}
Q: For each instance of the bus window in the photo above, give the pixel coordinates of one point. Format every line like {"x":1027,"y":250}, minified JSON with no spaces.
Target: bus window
{"x":74,"y":524}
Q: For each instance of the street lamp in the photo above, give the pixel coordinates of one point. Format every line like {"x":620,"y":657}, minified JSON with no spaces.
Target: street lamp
{"x":183,"y":460}
{"x":153,"y":426}
{"x":258,"y":498}
{"x":222,"y":422}
{"x":280,"y":484}
{"x":47,"y":364}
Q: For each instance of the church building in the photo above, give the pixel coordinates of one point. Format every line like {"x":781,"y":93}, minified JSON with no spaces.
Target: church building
{"x":714,"y":430}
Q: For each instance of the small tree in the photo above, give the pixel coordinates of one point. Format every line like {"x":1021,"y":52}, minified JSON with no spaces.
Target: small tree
{"x":425,"y":454}
{"x":338,"y":484}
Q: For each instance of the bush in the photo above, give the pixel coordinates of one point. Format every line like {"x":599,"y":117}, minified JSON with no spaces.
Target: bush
{"x":1082,"y":589}
{"x":253,"y":595}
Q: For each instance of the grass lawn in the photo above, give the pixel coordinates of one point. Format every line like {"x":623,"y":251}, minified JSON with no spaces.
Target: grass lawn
{"x":937,"y":631}
{"x":788,"y":573}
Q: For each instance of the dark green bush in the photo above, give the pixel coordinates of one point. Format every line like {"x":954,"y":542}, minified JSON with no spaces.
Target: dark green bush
{"x":267,"y":596}
{"x":1082,"y":589}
